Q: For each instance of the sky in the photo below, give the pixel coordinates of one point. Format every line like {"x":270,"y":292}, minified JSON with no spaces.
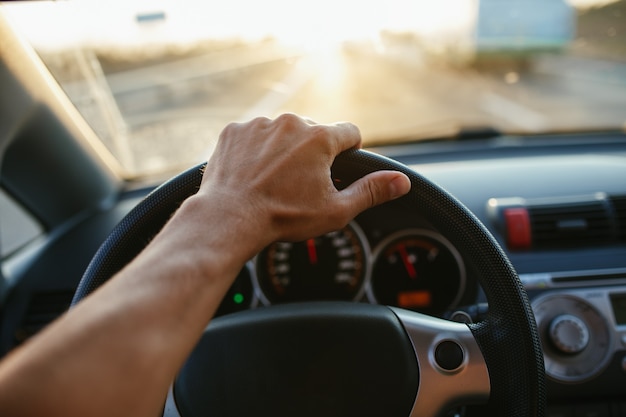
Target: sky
{"x":51,"y":25}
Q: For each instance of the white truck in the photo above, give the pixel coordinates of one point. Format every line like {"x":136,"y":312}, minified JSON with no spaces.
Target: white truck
{"x":522,"y":27}
{"x":475,"y":31}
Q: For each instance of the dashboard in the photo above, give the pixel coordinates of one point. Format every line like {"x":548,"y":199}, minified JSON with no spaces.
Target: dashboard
{"x":555,"y":203}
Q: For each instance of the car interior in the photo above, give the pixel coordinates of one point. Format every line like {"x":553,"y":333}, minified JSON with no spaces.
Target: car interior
{"x":505,"y":265}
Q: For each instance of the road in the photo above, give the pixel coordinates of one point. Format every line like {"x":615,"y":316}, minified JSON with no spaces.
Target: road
{"x":174,"y":111}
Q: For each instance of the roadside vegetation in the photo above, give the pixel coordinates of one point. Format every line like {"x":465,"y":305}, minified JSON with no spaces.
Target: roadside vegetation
{"x":601,"y":32}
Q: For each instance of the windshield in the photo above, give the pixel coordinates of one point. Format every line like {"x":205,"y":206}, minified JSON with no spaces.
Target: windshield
{"x":158,"y":80}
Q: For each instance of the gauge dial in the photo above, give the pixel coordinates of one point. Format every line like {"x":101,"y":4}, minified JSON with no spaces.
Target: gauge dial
{"x":417,"y":270}
{"x":329,"y":267}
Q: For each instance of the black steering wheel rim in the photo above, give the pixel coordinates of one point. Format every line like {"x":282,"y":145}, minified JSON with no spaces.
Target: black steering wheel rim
{"x":507,"y":336}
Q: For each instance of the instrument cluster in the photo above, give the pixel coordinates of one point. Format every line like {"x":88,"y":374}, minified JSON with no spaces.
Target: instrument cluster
{"x":411,"y":267}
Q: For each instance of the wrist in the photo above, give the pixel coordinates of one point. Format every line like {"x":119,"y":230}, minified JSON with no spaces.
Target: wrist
{"x":213,"y":235}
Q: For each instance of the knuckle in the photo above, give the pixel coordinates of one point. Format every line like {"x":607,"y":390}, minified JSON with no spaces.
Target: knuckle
{"x":288,"y":120}
{"x":230,"y":129}
{"x":260,"y":120}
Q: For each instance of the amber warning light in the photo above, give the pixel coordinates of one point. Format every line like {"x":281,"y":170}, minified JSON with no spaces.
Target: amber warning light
{"x":414,"y":299}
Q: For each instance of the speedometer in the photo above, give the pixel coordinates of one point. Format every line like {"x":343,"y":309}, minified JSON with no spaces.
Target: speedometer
{"x":329,"y":267}
{"x":417,"y":270}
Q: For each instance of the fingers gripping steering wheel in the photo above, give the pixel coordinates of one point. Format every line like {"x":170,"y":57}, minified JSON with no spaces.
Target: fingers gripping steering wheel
{"x":350,"y":359}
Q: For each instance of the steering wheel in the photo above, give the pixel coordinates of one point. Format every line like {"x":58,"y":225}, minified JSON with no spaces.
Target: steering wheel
{"x":352,"y":359}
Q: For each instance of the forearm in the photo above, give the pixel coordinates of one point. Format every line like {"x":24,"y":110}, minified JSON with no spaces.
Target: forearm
{"x":117,"y":352}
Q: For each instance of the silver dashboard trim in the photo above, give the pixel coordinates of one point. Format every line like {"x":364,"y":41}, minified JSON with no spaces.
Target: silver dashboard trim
{"x":548,"y":280}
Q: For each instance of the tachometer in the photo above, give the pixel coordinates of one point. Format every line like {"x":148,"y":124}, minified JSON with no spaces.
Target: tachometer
{"x":329,"y":267}
{"x":417,"y":270}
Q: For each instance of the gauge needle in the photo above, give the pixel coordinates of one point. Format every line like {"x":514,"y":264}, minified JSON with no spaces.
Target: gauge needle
{"x":310,"y":245}
{"x":410,"y":268}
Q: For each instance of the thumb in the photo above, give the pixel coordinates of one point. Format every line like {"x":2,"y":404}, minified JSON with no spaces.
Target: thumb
{"x":374,"y":189}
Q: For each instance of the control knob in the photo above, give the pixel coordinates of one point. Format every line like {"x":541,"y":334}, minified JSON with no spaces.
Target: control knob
{"x":575,"y":336}
{"x":569,"y":334}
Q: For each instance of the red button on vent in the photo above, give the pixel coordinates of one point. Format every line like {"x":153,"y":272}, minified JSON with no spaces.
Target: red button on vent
{"x":518,"y":233}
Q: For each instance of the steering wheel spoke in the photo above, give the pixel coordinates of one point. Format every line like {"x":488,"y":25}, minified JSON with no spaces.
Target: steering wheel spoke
{"x":452,"y":368}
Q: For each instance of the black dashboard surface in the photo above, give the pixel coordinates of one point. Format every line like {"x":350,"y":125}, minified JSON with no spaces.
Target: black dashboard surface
{"x":579,"y":180}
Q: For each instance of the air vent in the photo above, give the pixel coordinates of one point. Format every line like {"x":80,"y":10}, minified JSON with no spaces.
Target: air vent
{"x":43,"y":308}
{"x":560,"y":222}
{"x":575,"y":223}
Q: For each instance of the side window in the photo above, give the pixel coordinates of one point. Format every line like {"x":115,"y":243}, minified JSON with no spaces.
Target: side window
{"x":17,"y":226}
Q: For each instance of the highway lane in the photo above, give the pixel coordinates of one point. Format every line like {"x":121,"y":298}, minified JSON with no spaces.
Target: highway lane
{"x":174,"y":111}
{"x":548,"y":95}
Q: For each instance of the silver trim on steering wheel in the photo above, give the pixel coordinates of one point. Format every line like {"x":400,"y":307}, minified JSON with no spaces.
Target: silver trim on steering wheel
{"x":170,"y":409}
{"x":469,"y":381}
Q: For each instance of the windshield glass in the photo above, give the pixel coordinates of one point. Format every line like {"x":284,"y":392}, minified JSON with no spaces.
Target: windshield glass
{"x":158,"y":80}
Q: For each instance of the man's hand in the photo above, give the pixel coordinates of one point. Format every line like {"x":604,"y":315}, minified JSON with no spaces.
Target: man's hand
{"x":278,"y":171}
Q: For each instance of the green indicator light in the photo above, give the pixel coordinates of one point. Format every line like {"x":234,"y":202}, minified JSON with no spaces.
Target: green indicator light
{"x":238,"y":298}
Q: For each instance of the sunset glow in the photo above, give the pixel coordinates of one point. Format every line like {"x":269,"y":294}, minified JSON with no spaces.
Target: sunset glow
{"x":53,"y":25}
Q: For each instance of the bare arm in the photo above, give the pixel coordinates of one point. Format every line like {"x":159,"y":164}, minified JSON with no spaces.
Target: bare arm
{"x":117,"y":352}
